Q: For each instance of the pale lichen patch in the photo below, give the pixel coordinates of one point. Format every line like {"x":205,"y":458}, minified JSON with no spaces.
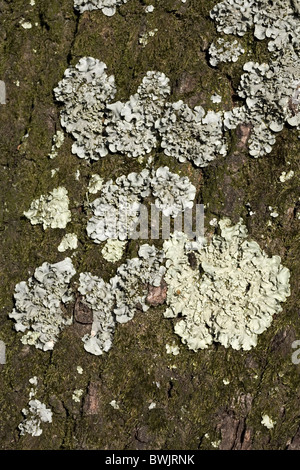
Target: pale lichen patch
{"x":50,"y":210}
{"x":268,"y":422}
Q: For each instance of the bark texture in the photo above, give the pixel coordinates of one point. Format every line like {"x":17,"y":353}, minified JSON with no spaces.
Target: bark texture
{"x":194,"y":408}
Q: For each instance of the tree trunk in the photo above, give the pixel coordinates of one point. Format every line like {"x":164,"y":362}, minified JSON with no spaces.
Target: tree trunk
{"x":213,"y":398}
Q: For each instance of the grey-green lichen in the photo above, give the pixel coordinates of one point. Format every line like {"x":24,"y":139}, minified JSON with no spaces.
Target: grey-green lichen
{"x":38,"y":304}
{"x":57,"y":142}
{"x":271,"y":101}
{"x":277,"y":20}
{"x":132,"y":280}
{"x":149,"y":332}
{"x":270,"y":90}
{"x":84,"y":91}
{"x":108,"y":7}
{"x":99,"y":297}
{"x":98,"y":125}
{"x":69,"y":242}
{"x":191,"y":134}
{"x":50,"y":210}
{"x":224,"y":51}
{"x":173,"y":194}
{"x":228,"y":295}
{"x":77,"y":394}
{"x":36,"y":414}
{"x":95,"y":184}
{"x":116,"y":212}
{"x":134,"y":128}
{"x":113,"y":250}
{"x":117,"y":300}
{"x":131,"y":126}
{"x":231,"y":293}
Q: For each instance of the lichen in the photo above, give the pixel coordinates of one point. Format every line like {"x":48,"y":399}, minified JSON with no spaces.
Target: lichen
{"x":268,"y":422}
{"x":116,"y":212}
{"x":77,"y":394}
{"x":97,"y":295}
{"x":69,"y":242}
{"x":149,"y":9}
{"x":277,"y":20}
{"x":50,"y":210}
{"x":270,"y":90}
{"x":57,"y":142}
{"x":108,"y":7}
{"x":132,"y":279}
{"x":98,"y":125}
{"x":231,"y":295}
{"x":144,"y":37}
{"x":173,"y":194}
{"x":117,"y":300}
{"x":286,"y":176}
{"x":191,"y":134}
{"x":38,"y":304}
{"x":113,"y":250}
{"x":130,"y":126}
{"x":37,"y":414}
{"x":95,"y":184}
{"x":224,"y":51}
{"x":172,"y":349}
{"x":84,"y":91}
{"x":114,"y":404}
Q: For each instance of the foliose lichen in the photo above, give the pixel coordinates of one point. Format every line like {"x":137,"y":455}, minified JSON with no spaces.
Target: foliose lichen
{"x":116,"y":301}
{"x":191,"y":134}
{"x":38,"y":304}
{"x":37,"y":414}
{"x":113,"y":250}
{"x":116,"y":212}
{"x":268,"y":422}
{"x":98,"y":296}
{"x":69,"y":242}
{"x":77,"y":394}
{"x":224,"y":51}
{"x":130,"y":126}
{"x":232,"y":294}
{"x":270,"y":90}
{"x":84,"y":91}
{"x":108,"y":7}
{"x":50,"y":210}
{"x":134,"y":127}
{"x":270,"y":93}
{"x":277,"y":20}
{"x":95,"y":184}
{"x":173,"y":194}
{"x":133,"y":279}
{"x":57,"y":142}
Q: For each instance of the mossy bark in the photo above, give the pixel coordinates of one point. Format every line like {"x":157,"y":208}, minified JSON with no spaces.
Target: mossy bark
{"x":194,"y":408}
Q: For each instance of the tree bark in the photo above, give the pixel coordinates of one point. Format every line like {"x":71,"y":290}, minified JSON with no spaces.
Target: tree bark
{"x":194,"y":409}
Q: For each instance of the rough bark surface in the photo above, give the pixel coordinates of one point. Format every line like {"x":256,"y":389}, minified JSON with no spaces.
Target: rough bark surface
{"x":194,"y":408}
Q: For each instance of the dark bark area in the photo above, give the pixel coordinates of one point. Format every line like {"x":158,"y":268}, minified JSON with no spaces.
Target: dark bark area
{"x":194,"y":408}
